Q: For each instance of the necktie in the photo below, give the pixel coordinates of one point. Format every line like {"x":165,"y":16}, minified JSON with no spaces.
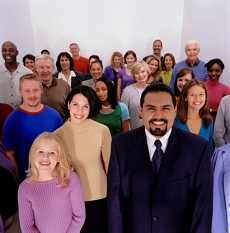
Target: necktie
{"x":157,"y":156}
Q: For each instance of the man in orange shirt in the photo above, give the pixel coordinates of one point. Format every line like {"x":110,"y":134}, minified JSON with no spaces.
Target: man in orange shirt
{"x":81,"y":64}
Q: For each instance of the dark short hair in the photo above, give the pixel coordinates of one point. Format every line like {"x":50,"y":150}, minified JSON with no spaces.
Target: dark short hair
{"x":98,"y":62}
{"x":130,"y":52}
{"x":90,"y":95}
{"x":112,"y":98}
{"x":156,"y":88}
{"x":217,"y":61}
{"x":94,"y":56}
{"x":45,"y":51}
{"x":67,"y":55}
{"x":28,"y":56}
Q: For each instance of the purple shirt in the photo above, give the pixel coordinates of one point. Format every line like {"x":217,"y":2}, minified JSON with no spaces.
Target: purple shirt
{"x":46,"y":207}
{"x":126,"y":79}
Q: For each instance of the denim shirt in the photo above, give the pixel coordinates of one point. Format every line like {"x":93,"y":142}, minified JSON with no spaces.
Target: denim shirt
{"x":221,"y":190}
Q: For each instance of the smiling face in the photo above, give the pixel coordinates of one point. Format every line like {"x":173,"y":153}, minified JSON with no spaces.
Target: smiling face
{"x":153,"y":66}
{"x":130,"y":60}
{"x":44,"y":69}
{"x":64,"y":63}
{"x":31,"y":92}
{"x":141,"y":77}
{"x":215,"y":72}
{"x":181,"y":81}
{"x":9,"y":52}
{"x":79,"y":108}
{"x":96,"y":70}
{"x":46,"y":157}
{"x":101,"y":91}
{"x":158,"y":113}
{"x":168,"y":62}
{"x":192,"y":51}
{"x":30,"y":64}
{"x":196,"y":98}
{"x":157,"y":47}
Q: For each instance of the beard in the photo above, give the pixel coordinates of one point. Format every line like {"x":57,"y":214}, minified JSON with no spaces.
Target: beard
{"x":158,"y":131}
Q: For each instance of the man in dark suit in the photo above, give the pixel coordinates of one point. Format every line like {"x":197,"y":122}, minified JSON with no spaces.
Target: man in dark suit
{"x":159,"y":177}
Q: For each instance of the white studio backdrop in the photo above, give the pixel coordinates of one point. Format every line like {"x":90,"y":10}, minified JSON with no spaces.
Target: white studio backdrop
{"x":103,"y":26}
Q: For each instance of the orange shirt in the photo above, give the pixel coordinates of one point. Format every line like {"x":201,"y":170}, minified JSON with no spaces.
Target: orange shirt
{"x":81,"y":65}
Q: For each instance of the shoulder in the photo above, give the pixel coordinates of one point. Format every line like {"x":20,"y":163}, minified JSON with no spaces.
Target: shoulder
{"x":14,"y":115}
{"x":98,"y":126}
{"x":52,"y":112}
{"x":23,"y":70}
{"x":180,"y":64}
{"x":84,"y":59}
{"x":123,"y":106}
{"x":132,"y":135}
{"x":189,"y":139}
{"x":74,"y":179}
{"x":24,"y":186}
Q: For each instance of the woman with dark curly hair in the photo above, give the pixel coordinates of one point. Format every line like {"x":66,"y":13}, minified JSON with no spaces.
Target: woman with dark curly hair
{"x":65,"y":68}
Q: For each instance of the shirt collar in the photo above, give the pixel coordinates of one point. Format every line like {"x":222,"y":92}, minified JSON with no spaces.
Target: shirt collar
{"x":54,"y":83}
{"x":195,"y":64}
{"x":151,"y":139}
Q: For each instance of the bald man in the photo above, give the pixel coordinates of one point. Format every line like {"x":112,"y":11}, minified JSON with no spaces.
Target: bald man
{"x":10,"y":73}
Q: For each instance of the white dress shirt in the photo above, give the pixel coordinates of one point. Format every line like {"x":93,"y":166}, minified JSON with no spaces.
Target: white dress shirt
{"x":151,"y":139}
{"x":62,"y":76}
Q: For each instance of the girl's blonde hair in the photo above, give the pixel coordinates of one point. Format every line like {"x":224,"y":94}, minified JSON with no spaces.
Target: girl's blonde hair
{"x":62,"y":169}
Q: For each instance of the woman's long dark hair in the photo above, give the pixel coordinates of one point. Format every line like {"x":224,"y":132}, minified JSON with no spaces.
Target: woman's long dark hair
{"x":182,"y":108}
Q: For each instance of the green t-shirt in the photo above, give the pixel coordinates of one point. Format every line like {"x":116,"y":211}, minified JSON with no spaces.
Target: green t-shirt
{"x":112,"y":120}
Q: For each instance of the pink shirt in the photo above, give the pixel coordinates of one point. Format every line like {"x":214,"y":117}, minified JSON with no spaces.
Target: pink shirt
{"x":216,"y":91}
{"x":46,"y":207}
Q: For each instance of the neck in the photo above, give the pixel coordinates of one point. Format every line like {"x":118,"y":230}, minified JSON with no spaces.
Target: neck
{"x":193,"y":114}
{"x":192,"y":62}
{"x":28,"y":108}
{"x":45,"y":176}
{"x":66,"y":72}
{"x":76,"y":57}
{"x":11,"y":66}
{"x":140,"y":85}
{"x":48,"y":83}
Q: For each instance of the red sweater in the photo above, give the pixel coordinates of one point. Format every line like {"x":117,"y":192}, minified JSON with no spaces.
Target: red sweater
{"x":81,"y":65}
{"x":216,"y":91}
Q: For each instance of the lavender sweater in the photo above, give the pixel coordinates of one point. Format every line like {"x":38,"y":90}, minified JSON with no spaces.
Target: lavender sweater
{"x":45,"y":207}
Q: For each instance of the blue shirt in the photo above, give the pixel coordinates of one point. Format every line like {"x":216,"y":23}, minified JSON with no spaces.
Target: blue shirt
{"x":221,"y":190}
{"x":21,"y":128}
{"x":205,"y":132}
{"x":198,"y":69}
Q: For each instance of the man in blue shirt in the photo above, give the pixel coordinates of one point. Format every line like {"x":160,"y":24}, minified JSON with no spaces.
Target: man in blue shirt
{"x":192,"y":50}
{"x":28,"y":121}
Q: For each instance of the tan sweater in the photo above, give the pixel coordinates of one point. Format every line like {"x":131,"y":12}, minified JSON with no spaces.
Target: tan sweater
{"x":88,"y":145}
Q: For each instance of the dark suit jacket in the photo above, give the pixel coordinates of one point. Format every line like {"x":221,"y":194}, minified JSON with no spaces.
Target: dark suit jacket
{"x":177,"y":200}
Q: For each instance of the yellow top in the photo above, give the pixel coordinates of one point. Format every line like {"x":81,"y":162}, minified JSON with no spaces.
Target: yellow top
{"x":88,"y":146}
{"x":166,"y":75}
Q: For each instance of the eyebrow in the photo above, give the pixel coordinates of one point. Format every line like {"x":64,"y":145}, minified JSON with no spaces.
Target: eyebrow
{"x":153,"y":106}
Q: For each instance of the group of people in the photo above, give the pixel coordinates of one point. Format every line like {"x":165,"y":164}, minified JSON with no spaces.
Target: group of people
{"x":125,"y":148}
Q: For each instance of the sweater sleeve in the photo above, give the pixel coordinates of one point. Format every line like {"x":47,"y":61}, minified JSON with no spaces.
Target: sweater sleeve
{"x":78,"y":205}
{"x":26,"y":215}
{"x":219,"y":127}
{"x":106,"y":147}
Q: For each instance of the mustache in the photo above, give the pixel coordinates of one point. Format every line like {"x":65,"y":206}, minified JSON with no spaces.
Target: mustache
{"x":157,"y":120}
